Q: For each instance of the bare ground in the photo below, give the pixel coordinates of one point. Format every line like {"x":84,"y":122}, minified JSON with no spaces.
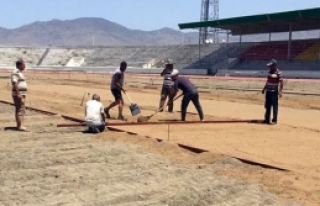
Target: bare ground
{"x":292,"y":144}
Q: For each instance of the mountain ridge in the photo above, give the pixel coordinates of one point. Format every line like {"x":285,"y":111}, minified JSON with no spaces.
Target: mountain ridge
{"x":97,"y":31}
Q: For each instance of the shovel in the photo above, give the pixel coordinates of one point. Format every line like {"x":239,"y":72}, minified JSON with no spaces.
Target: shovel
{"x":134,"y":108}
{"x":146,"y":118}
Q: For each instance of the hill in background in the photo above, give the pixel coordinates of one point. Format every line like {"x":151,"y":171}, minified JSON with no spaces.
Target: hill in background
{"x":101,"y":32}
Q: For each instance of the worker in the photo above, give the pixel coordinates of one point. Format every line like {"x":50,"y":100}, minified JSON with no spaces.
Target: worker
{"x":272,"y":90}
{"x":19,"y":93}
{"x":190,"y":93}
{"x":167,"y":86}
{"x":95,"y":116}
{"x":117,"y":83}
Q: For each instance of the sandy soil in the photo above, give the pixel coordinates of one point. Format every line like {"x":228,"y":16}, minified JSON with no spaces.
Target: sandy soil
{"x":66,"y":167}
{"x":292,"y":144}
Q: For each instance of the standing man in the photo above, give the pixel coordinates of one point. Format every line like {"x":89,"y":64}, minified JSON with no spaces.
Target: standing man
{"x":190,"y":93}
{"x":95,"y":118}
{"x":167,"y":86}
{"x":272,"y":92}
{"x":117,"y":83}
{"x":19,"y":92}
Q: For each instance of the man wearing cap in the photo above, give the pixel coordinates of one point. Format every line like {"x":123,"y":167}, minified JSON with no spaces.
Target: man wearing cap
{"x":117,"y":82}
{"x":190,"y":93}
{"x":273,"y":90}
{"x":167,"y":86}
{"x":94,"y":115}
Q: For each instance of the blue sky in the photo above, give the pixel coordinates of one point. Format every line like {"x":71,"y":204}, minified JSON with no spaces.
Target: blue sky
{"x":136,"y":14}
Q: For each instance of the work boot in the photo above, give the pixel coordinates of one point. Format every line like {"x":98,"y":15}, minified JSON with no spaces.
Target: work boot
{"x":120,"y":117}
{"x":106,"y":110}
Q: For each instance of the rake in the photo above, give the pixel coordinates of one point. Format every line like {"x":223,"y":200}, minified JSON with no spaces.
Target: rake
{"x":147,"y":118}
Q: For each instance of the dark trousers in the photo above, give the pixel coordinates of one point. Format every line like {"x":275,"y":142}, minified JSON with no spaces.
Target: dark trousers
{"x":193,"y":96}
{"x":166,"y":92}
{"x":98,"y":128}
{"x":271,"y":101}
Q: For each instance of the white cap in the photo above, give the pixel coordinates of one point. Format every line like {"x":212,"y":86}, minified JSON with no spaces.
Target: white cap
{"x":174,"y":72}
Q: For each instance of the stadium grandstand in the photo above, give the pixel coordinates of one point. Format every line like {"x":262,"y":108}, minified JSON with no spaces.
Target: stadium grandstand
{"x":298,"y":58}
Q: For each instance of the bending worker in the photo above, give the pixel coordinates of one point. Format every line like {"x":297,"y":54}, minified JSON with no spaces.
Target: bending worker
{"x":95,"y":117}
{"x":167,"y":86}
{"x":190,"y":93}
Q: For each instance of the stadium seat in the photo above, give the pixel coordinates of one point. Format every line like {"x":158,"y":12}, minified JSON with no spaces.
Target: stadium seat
{"x":311,"y":54}
{"x":274,"y":50}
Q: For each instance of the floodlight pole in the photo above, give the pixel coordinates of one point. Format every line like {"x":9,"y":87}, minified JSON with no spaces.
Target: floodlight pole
{"x":209,"y":12}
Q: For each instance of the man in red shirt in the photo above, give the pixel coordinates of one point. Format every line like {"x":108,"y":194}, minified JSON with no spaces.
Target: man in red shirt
{"x":273,"y":90}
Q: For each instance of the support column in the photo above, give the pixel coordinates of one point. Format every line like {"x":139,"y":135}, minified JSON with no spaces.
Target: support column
{"x":199,"y":50}
{"x":240,"y":36}
{"x":269,"y":36}
{"x":228,"y":37}
{"x":289,"y":42}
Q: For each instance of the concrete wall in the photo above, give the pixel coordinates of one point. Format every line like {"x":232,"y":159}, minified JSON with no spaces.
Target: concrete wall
{"x":112,"y":69}
{"x":8,"y":56}
{"x":292,"y":74}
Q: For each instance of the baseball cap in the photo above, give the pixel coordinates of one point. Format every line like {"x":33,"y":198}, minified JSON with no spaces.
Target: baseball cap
{"x":174,"y":72}
{"x":272,"y":62}
{"x":169,"y":61}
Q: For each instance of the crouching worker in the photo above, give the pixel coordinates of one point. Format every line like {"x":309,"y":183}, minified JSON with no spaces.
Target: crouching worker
{"x":190,"y":93}
{"x":95,"y":116}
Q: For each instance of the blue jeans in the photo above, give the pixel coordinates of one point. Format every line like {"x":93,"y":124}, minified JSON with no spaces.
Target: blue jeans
{"x":193,"y":96}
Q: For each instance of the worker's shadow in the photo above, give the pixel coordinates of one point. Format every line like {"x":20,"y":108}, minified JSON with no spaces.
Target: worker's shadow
{"x":10,"y":129}
{"x":168,"y":120}
{"x":86,"y":132}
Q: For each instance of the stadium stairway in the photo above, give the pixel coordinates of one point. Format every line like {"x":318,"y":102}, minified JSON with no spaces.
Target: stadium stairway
{"x":44,"y":55}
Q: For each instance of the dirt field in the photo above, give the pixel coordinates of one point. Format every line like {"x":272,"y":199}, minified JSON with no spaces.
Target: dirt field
{"x":292,"y":144}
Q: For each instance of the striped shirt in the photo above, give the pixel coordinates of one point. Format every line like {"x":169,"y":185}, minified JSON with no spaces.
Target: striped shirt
{"x":18,"y":78}
{"x":273,"y":80}
{"x":113,"y":80}
{"x":167,"y":81}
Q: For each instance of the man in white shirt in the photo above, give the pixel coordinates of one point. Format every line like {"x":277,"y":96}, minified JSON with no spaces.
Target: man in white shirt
{"x":19,"y":92}
{"x":95,"y":116}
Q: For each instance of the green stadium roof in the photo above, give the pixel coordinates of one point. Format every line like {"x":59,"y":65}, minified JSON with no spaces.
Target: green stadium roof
{"x":301,"y":20}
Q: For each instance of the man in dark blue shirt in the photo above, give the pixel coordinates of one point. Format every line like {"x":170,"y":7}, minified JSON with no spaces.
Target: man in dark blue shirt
{"x":190,"y":93}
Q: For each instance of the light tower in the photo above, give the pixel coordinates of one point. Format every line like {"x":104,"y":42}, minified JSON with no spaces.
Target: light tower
{"x":209,"y":11}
